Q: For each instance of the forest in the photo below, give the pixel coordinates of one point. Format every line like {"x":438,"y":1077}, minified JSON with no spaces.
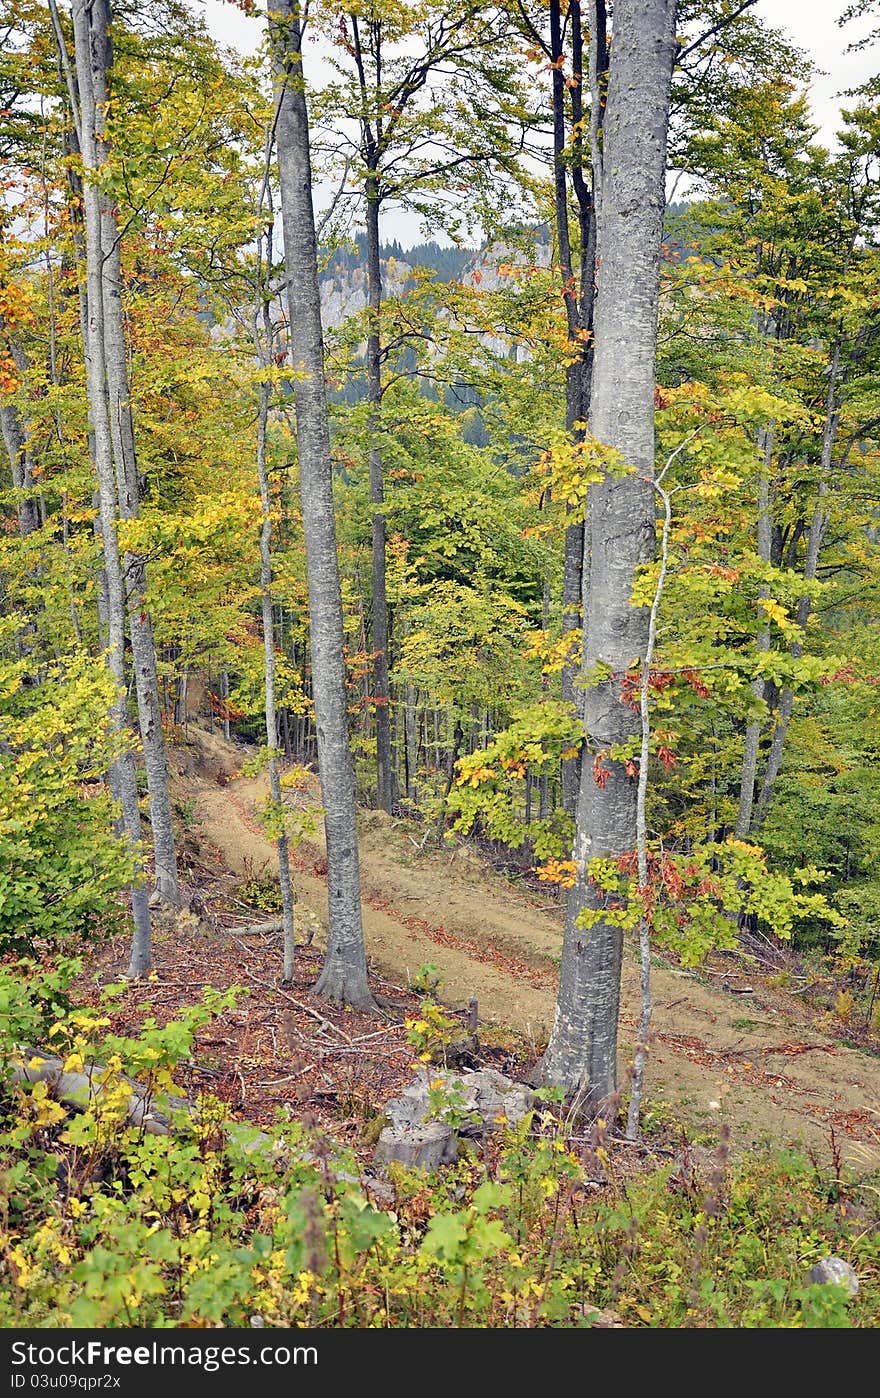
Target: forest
{"x":439,"y":649}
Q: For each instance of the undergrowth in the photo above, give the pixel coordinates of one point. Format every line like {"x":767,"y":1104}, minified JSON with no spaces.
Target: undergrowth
{"x":106,"y":1225}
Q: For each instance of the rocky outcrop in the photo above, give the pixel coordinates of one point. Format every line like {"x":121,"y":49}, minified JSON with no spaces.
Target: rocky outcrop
{"x":438,"y":1109}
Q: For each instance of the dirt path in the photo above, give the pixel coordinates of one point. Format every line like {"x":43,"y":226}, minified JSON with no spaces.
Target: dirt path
{"x":717,"y":1056}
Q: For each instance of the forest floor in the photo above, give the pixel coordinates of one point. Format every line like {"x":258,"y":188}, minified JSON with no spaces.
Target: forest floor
{"x":731,"y":1043}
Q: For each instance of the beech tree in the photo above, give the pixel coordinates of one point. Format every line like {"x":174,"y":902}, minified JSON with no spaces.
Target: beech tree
{"x":344,"y":975}
{"x":582,"y":1053}
{"x":406,"y":72}
{"x":91,"y":92}
{"x":88,"y":98}
{"x":765,"y":412}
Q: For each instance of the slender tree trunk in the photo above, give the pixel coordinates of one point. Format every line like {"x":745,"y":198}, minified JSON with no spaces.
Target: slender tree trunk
{"x":55,"y":380}
{"x":582,"y":1053}
{"x":647,"y":1008}
{"x":139,"y":620}
{"x":180,"y":696}
{"x":398,"y":745}
{"x":543,"y":784}
{"x":123,"y":776}
{"x":224,"y":699}
{"x":454,"y":751}
{"x":786,"y":704}
{"x":411,"y":740}
{"x":94,"y":21}
{"x":344,"y":975}
{"x":15,"y":437}
{"x":287,"y":898}
{"x":579,"y":298}
{"x":16,"y":434}
{"x":572,"y":576}
{"x":381,"y":692}
{"x":753,"y":727}
{"x":815,"y":539}
{"x":818,"y":526}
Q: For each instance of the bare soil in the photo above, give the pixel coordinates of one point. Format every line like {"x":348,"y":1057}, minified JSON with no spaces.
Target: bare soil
{"x":726,"y":1046}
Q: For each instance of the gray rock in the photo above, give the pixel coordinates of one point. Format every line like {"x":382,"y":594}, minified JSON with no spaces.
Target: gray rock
{"x":423,"y":1146}
{"x":496,"y":1099}
{"x":836,"y":1270}
{"x":478,"y":1103}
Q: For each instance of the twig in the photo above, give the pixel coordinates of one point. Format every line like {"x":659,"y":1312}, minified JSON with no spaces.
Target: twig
{"x":291,"y":1077}
{"x":635,"y":1101}
{"x":297,"y":1004}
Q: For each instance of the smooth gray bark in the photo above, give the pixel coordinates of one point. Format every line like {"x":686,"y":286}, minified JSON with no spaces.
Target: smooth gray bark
{"x":752,"y":740}
{"x":344,"y":976}
{"x":411,"y":741}
{"x":379,"y":628}
{"x":94,"y":55}
{"x":579,"y":301}
{"x":647,"y":1007}
{"x":224,"y":698}
{"x":123,"y":775}
{"x":266,"y":603}
{"x":127,"y":486}
{"x":582,"y":1053}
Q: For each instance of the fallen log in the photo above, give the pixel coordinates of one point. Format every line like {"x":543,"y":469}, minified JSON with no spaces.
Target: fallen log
{"x":260,"y":929}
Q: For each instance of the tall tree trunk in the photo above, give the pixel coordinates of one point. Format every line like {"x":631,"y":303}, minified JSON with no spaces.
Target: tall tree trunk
{"x":94,"y":18}
{"x":139,"y":620}
{"x":579,"y":299}
{"x":753,"y":727}
{"x":381,"y":692}
{"x":411,"y":742}
{"x":344,"y":976}
{"x":452,"y":758}
{"x":582,"y":1053}
{"x":818,"y":526}
{"x":224,"y":698}
{"x":123,"y":777}
{"x":287,"y":898}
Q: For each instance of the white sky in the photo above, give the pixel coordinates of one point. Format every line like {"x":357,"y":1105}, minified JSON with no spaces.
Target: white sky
{"x":812,"y":24}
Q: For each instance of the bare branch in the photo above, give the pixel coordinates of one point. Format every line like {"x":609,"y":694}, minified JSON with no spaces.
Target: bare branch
{"x":716,"y":29}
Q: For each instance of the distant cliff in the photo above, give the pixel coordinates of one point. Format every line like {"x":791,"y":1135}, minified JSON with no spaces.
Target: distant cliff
{"x":344,"y":284}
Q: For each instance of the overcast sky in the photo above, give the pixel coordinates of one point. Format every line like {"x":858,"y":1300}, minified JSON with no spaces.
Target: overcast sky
{"x":812,"y":24}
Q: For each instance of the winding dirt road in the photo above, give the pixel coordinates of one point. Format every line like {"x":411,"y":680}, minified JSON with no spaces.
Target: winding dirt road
{"x":753,"y":1061}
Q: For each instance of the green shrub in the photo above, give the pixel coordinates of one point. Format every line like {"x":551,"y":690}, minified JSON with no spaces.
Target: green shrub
{"x":107,"y":1226}
{"x":61,"y":864}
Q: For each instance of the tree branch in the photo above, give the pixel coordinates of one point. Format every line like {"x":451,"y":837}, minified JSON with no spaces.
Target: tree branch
{"x":722,"y":24}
